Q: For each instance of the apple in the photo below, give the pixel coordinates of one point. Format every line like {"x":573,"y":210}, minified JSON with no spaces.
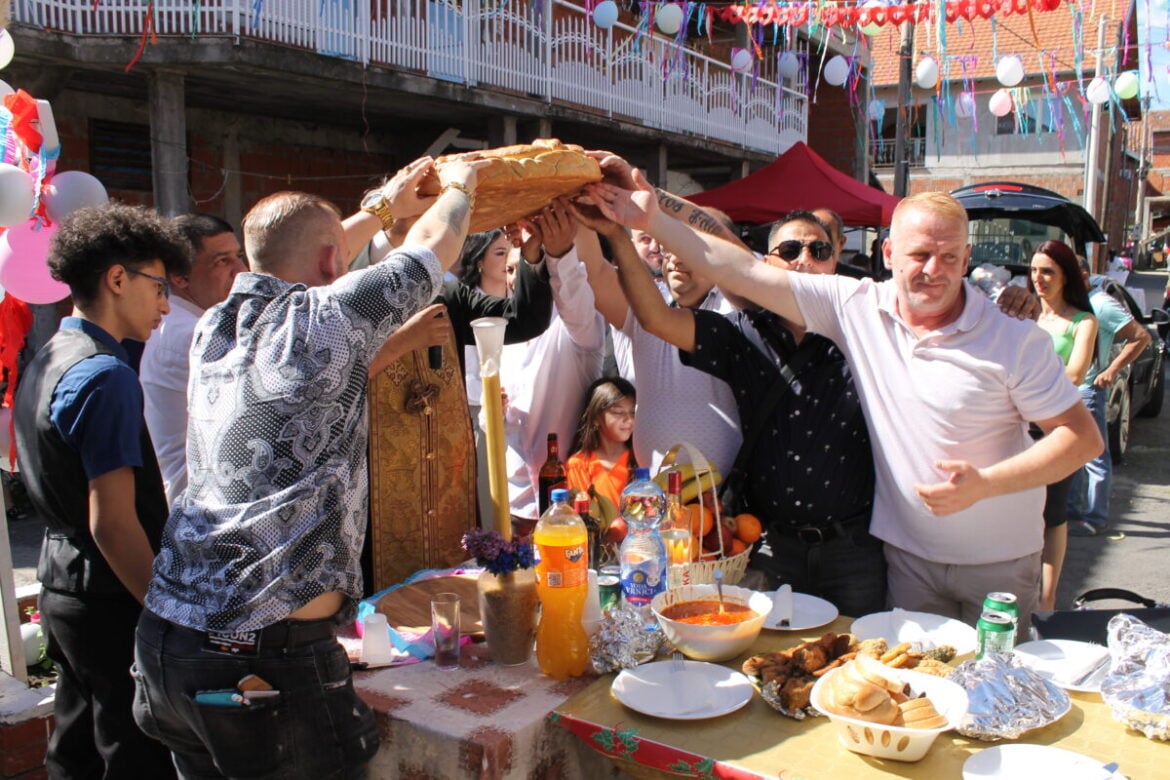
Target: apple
{"x":711,"y":540}
{"x":618,"y":528}
{"x":712,"y":501}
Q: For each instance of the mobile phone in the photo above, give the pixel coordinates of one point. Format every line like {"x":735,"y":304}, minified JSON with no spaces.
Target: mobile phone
{"x":226,"y":698}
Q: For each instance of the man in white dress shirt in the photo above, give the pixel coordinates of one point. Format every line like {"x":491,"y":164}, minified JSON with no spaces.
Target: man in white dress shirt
{"x":217,"y":258}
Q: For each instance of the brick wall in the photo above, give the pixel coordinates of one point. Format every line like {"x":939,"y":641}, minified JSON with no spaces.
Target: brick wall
{"x":832,"y":129}
{"x":22,"y":749}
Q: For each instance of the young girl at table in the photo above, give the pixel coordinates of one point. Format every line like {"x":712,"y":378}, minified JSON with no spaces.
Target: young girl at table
{"x":603,"y":453}
{"x":1066,"y":314}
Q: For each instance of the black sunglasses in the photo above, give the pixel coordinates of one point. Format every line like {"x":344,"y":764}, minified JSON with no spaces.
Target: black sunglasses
{"x":791,"y":249}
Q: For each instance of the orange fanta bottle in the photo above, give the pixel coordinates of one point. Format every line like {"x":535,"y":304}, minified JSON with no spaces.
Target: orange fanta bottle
{"x":562,"y":582}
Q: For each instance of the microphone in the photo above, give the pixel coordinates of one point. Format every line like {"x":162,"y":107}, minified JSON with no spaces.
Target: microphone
{"x":435,"y":354}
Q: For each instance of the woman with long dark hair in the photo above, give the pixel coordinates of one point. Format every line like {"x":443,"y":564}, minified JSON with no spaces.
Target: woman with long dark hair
{"x":1065,"y":312}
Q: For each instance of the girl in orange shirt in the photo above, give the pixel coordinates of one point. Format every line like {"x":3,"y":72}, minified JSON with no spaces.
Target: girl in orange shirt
{"x":603,"y":455}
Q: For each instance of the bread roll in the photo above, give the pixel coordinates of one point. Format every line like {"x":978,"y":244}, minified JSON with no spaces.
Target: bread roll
{"x":521,"y":179}
{"x":921,"y":714}
{"x":848,"y":693}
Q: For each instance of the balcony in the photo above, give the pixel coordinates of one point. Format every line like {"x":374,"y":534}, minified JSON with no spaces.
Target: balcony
{"x":548,"y":49}
{"x":882,"y":151}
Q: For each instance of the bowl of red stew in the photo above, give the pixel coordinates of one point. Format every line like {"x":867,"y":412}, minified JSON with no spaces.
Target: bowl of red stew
{"x":693,"y":622}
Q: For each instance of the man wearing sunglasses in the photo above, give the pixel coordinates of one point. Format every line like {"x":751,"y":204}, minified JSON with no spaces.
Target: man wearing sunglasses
{"x":947,"y":384}
{"x":809,"y":474}
{"x":91,"y":474}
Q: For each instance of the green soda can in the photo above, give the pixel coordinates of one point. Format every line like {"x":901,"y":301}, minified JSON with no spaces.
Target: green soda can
{"x":609,"y":587}
{"x":994,"y":633}
{"x":1001,"y":601}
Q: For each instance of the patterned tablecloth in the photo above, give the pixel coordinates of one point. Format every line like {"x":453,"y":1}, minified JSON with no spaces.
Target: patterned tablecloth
{"x":759,"y":742}
{"x":478,"y":721}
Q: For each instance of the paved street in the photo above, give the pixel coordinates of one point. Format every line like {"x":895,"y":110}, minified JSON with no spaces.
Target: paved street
{"x":1141,"y":510}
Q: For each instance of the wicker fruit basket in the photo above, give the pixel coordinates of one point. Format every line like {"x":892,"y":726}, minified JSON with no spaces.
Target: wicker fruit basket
{"x":702,"y":571}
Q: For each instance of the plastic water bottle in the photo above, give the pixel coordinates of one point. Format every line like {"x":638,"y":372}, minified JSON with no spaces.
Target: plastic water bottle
{"x":562,"y":583}
{"x":643,"y":553}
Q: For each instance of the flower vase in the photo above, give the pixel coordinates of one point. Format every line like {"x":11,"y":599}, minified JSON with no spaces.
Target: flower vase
{"x":507,"y":607}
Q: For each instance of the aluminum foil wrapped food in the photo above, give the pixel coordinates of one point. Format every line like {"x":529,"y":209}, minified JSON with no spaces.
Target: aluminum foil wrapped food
{"x":1007,"y":699}
{"x":622,"y":642}
{"x":1137,"y":687}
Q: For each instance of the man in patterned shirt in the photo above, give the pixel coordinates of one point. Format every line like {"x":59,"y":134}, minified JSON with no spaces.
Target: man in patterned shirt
{"x":260,"y":558}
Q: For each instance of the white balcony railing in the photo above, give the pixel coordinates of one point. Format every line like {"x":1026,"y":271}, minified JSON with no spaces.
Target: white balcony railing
{"x":548,"y":49}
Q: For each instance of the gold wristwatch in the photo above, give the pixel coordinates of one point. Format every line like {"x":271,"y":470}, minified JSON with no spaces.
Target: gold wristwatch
{"x":375,"y":203}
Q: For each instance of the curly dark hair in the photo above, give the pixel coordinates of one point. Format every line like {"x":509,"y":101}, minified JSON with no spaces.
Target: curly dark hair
{"x":92,"y":240}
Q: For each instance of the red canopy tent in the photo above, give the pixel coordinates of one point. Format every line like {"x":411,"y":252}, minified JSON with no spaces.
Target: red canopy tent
{"x":799,"y":179}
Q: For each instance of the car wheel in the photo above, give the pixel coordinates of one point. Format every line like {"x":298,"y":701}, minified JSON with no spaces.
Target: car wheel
{"x":1153,"y":406}
{"x":1118,"y":417}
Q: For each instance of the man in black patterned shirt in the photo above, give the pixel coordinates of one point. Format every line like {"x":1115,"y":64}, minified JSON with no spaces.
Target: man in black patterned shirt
{"x":810,"y":477}
{"x":260,"y":558}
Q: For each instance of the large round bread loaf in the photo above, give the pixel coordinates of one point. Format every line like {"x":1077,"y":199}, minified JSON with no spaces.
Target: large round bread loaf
{"x":520,"y":180}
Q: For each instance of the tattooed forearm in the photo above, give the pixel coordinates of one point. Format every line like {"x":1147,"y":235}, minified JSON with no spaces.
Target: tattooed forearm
{"x":694,"y":216}
{"x":453,"y":210}
{"x":705,"y":223}
{"x":669,"y":202}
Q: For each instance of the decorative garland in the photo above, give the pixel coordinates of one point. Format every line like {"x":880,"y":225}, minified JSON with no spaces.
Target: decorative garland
{"x":868,"y":15}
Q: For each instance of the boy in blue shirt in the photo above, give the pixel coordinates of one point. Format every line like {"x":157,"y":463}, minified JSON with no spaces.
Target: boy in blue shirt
{"x":92,"y":477}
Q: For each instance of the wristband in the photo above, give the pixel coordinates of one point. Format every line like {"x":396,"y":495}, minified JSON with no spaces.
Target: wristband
{"x":454,"y":185}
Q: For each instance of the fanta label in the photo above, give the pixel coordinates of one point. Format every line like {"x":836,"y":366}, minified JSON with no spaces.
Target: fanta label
{"x":564,"y":567}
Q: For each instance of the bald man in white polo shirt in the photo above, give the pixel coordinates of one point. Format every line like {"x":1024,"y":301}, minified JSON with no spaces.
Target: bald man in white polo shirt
{"x":948,"y":383}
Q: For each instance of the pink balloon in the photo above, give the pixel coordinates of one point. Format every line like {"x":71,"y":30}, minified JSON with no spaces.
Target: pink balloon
{"x":24,"y":271}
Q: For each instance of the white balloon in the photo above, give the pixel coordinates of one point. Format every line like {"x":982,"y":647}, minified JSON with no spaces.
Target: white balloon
{"x":17,"y":193}
{"x":876,"y":110}
{"x":7,"y":48}
{"x":872,"y":29}
{"x":836,"y":71}
{"x":5,"y":89}
{"x":1000,"y":103}
{"x":1098,"y":91}
{"x":789,"y":65}
{"x":69,"y":191}
{"x":1009,"y":71}
{"x":965,"y":105}
{"x":926,"y":74}
{"x":669,"y":18}
{"x":605,"y":14}
{"x":1126,"y":85}
{"x":741,"y":60}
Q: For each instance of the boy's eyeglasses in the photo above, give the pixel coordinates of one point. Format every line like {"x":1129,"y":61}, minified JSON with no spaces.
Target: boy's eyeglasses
{"x":791,"y":249}
{"x":164,"y":284}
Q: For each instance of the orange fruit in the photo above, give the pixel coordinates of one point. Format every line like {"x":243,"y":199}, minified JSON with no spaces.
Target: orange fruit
{"x":737,"y":546}
{"x":702,"y":520}
{"x":748,"y":528}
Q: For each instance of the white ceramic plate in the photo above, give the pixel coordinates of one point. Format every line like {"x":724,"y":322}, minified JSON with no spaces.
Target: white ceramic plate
{"x":807,"y":612}
{"x":1029,"y":761}
{"x":682,"y":690}
{"x":1064,"y":661}
{"x":900,"y":625}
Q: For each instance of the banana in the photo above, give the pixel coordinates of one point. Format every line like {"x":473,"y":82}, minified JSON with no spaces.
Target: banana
{"x":602,"y":508}
{"x":694,"y":483}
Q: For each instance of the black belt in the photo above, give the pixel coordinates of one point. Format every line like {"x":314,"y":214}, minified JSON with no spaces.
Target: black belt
{"x":820,"y":534}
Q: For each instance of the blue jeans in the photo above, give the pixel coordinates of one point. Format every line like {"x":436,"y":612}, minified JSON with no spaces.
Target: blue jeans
{"x":316,"y":727}
{"x":1088,"y":495}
